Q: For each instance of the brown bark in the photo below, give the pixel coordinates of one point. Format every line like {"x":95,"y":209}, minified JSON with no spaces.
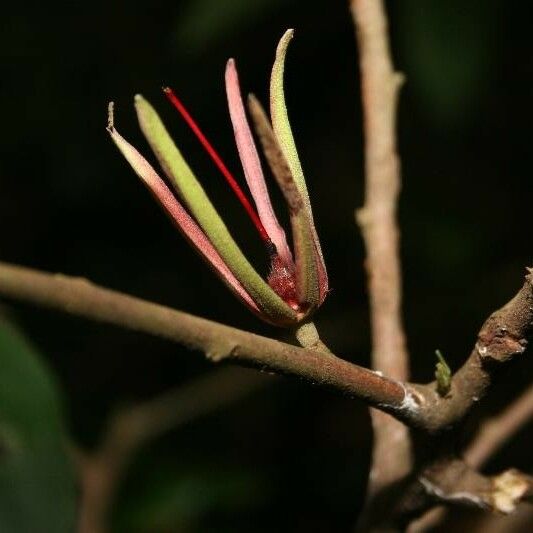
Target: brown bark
{"x":377,"y":220}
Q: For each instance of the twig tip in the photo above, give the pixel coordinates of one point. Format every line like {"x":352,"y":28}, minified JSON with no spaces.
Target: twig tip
{"x":111,"y":117}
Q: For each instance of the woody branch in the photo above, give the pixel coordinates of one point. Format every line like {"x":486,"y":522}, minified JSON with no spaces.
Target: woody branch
{"x":218,"y":342}
{"x":503,"y":336}
{"x":416,"y":405}
{"x":377,"y":220}
{"x":492,"y":435}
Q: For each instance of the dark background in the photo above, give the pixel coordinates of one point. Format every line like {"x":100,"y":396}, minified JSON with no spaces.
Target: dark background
{"x":288,"y":458}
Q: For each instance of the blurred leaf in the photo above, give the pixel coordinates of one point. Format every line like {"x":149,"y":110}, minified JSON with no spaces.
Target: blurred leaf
{"x":36,"y":481}
{"x":449,"y":51}
{"x":175,"y":498}
{"x":205,"y":21}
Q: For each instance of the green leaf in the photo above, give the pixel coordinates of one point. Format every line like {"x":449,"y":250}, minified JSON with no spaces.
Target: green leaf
{"x":179,"y":498}
{"x":37,"y":490}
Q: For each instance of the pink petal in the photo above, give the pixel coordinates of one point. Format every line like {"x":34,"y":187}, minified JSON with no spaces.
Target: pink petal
{"x":179,"y":215}
{"x":252,"y":165}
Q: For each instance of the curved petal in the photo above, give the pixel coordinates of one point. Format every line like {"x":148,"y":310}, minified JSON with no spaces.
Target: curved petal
{"x":307,"y":272}
{"x":179,"y":216}
{"x":251,"y":164}
{"x":206,"y":215}
{"x":285,"y":139}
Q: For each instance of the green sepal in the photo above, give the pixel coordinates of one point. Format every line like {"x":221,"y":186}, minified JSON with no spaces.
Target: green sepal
{"x":280,"y":118}
{"x":302,"y":233}
{"x":312,"y":266}
{"x":305,"y":256}
{"x":201,"y":208}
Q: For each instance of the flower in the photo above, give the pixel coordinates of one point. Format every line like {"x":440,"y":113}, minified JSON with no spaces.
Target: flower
{"x":295,"y":286}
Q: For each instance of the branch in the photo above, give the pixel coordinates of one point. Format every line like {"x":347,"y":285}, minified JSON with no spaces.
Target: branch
{"x":377,"y":220}
{"x":491,"y":437}
{"x":518,"y":522}
{"x":496,"y":432}
{"x":503,"y":337}
{"x":454,"y":482}
{"x":450,"y":481}
{"x":78,"y":296}
{"x":429,"y":520}
{"x":131,"y":428}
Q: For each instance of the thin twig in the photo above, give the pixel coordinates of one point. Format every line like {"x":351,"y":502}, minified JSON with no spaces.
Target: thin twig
{"x":377,"y":220}
{"x":491,"y":437}
{"x":497,"y":431}
{"x":80,"y":297}
{"x":518,"y":522}
{"x":503,"y":336}
{"x":430,"y":519}
{"x":130,"y":428}
{"x":501,"y":340}
{"x":448,"y":480}
{"x":452,"y":481}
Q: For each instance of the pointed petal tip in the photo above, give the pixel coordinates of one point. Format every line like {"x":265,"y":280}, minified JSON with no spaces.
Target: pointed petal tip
{"x":144,"y":109}
{"x":253,"y":102}
{"x":110,"y":117}
{"x":283,"y":44}
{"x":231,"y":71}
{"x":255,"y":107}
{"x":138,"y":99}
{"x":251,"y":164}
{"x":286,"y":38}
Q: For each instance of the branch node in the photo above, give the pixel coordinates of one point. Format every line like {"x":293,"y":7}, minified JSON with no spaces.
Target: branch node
{"x":411,"y":401}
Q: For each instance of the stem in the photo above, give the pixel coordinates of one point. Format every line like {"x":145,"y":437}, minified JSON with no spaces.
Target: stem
{"x":377,"y":220}
{"x":496,"y":432}
{"x":308,"y":337}
{"x":491,"y":437}
{"x":501,"y":340}
{"x":78,"y":296}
